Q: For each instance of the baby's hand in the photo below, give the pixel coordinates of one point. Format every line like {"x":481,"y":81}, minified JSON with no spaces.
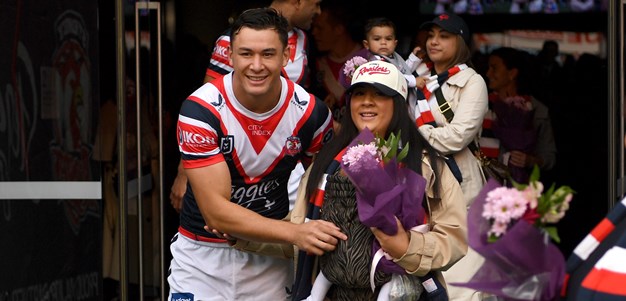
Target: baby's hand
{"x":417,"y":51}
{"x":420,"y":81}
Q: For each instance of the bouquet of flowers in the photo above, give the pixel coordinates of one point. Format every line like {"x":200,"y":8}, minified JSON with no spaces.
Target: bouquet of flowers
{"x":384,"y":188}
{"x":514,"y":127}
{"x":345,"y":76}
{"x":511,"y":228}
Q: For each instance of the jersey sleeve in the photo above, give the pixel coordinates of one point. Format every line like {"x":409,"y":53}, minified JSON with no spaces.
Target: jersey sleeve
{"x":323,"y":122}
{"x":219,"y":63}
{"x":198,"y":139}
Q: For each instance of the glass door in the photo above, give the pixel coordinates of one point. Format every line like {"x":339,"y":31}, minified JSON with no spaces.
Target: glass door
{"x":139,"y":115}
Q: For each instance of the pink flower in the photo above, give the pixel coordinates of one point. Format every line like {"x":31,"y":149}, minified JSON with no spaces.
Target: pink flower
{"x":498,"y":229}
{"x":361,"y":156}
{"x":352,"y":64}
{"x":504,"y":206}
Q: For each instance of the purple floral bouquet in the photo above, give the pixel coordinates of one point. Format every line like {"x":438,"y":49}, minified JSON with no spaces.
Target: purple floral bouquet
{"x":514,"y":127}
{"x":347,"y":71}
{"x":511,"y":228}
{"x":385,"y":189}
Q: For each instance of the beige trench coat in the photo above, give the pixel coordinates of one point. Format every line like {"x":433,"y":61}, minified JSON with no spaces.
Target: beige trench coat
{"x":466,"y":92}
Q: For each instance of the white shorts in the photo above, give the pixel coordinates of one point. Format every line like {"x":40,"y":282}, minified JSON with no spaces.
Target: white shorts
{"x":215,"y":271}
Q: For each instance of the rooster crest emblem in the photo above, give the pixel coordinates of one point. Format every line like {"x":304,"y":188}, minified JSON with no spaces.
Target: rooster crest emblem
{"x":293,"y":146}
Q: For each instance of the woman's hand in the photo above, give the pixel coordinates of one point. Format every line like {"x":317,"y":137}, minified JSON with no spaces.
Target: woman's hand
{"x":395,"y":245}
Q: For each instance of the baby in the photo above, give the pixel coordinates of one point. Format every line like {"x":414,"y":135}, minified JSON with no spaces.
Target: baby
{"x":380,"y":40}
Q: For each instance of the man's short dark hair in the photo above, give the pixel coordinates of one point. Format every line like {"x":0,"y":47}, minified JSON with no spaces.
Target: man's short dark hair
{"x":259,"y":19}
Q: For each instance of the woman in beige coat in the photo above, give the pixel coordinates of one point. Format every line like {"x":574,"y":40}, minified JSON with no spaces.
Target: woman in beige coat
{"x":377,"y":101}
{"x":465,"y":92}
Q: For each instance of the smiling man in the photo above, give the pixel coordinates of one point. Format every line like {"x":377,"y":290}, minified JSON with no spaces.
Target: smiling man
{"x":299,"y":15}
{"x":240,"y":136}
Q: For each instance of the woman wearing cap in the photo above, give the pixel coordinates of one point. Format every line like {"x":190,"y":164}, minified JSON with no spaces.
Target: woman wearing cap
{"x":451,"y":132}
{"x":377,"y":100}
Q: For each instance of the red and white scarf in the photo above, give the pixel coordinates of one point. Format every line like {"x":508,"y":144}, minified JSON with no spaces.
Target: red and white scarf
{"x":306,"y":261}
{"x":423,"y":114}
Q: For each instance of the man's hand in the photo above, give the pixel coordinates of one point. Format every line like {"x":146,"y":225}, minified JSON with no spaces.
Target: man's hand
{"x":317,"y":236}
{"x":178,"y":189}
{"x":314,"y":237}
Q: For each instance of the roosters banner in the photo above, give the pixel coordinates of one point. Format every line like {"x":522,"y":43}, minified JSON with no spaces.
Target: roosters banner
{"x":51,"y":249}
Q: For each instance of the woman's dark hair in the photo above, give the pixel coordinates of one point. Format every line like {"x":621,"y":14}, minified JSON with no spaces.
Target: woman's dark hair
{"x":400,"y":122}
{"x":464,"y":55}
{"x":259,"y":19}
{"x":516,"y":59}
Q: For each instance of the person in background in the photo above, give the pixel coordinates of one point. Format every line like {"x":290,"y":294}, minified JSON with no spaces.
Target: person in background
{"x":549,"y":79}
{"x":240,"y":136}
{"x":376,"y":100}
{"x":521,"y":126}
{"x":454,"y":125}
{"x":336,"y":41}
{"x":299,"y":15}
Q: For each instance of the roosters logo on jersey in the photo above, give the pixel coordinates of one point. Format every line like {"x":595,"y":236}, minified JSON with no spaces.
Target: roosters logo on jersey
{"x":293,"y":146}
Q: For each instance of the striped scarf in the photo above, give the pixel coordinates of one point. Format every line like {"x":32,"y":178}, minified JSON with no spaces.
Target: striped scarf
{"x":423,"y":114}
{"x":606,"y":280}
{"x":306,"y":261}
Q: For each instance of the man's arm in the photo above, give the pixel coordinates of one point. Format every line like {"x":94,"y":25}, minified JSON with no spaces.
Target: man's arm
{"x":211,"y":186}
{"x":179,"y":187}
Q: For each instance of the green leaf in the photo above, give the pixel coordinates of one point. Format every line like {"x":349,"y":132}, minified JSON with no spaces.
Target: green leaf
{"x":492,"y":238}
{"x":404,"y":152}
{"x":534,"y":176}
{"x":553,"y":234}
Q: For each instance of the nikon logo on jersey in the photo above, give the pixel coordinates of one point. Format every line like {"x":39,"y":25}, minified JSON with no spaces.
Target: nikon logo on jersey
{"x":194,"y":139}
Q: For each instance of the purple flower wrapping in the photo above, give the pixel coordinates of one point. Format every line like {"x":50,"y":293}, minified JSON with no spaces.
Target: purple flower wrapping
{"x":385,"y":192}
{"x":522,"y":265}
{"x":514,"y":127}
